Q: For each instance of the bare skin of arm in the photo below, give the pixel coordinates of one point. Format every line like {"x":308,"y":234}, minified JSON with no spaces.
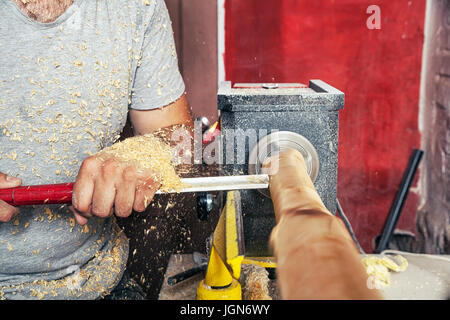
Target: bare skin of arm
{"x":150,"y":121}
{"x":103,"y":184}
{"x":316,"y":257}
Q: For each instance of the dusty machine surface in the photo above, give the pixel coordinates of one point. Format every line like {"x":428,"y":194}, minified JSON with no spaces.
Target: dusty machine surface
{"x":260,"y":120}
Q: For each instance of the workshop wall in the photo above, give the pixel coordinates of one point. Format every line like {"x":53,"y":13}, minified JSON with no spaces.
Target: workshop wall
{"x":434,"y":214}
{"x":194,"y":24}
{"x":379,"y":71}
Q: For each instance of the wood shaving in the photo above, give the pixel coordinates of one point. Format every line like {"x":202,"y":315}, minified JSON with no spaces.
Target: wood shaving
{"x":378,"y":268}
{"x":255,"y":283}
{"x":90,"y":280}
{"x":149,"y":153}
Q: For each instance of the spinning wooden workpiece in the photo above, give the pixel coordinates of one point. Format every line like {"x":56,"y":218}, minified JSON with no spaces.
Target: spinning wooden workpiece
{"x":316,"y":257}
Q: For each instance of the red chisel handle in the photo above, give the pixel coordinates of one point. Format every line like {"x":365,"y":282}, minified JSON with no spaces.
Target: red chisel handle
{"x":36,"y":195}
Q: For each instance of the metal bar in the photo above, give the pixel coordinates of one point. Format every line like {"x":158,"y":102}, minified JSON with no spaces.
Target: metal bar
{"x":223,"y":183}
{"x":399,"y":200}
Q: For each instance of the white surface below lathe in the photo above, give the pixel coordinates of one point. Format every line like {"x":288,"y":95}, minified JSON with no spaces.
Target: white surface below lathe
{"x":427,"y":277}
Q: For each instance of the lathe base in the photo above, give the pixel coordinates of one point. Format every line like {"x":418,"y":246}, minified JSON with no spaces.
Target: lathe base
{"x":426,"y":278}
{"x":186,"y":290}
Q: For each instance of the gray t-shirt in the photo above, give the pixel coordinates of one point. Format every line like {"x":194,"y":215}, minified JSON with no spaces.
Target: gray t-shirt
{"x":65,"y":91}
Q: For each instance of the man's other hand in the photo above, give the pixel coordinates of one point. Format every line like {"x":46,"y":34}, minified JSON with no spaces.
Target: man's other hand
{"x":7,"y":212}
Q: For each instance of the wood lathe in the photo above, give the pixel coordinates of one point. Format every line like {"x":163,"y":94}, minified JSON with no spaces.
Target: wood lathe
{"x":258,"y":121}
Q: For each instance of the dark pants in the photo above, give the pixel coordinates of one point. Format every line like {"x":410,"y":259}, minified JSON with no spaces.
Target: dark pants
{"x":127,"y":289}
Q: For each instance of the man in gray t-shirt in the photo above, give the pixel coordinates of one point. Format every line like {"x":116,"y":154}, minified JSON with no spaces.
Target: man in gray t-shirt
{"x":66,"y":89}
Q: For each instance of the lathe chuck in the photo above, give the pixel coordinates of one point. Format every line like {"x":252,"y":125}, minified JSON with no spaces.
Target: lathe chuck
{"x":277,"y":142}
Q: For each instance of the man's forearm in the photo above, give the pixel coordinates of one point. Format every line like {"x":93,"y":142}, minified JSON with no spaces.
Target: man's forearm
{"x":148,"y":121}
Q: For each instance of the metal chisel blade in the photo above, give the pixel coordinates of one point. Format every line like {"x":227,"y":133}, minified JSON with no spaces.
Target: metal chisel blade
{"x":223,"y":183}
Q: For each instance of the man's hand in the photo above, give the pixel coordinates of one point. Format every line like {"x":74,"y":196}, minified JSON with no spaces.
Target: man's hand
{"x":102,"y":184}
{"x":7,"y":212}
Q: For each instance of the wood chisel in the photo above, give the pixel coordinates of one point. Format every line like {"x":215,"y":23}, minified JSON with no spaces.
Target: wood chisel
{"x":62,"y":193}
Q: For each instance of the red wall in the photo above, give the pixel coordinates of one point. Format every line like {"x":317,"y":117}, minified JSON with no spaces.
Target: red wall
{"x":378,"y":70}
